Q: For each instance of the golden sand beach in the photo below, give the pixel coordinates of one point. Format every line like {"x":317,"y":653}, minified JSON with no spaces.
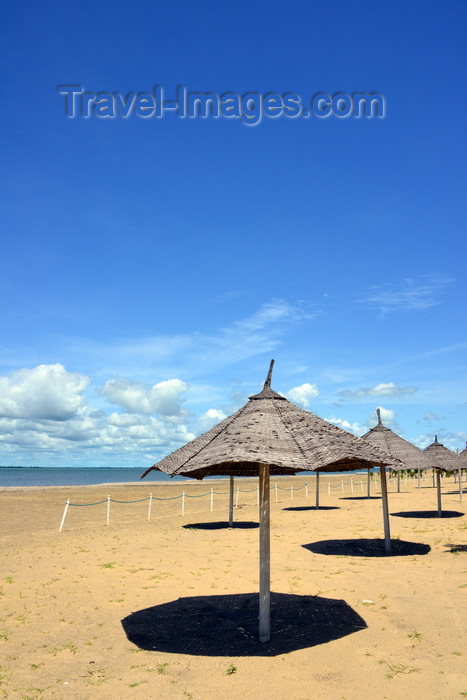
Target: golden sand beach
{"x":167,"y":608}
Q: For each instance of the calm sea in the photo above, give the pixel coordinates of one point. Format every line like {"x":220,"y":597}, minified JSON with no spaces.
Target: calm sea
{"x":71,"y":476}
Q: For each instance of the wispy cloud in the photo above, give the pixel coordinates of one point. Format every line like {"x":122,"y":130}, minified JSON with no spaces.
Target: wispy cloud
{"x":381,"y":389}
{"x":406,"y":295}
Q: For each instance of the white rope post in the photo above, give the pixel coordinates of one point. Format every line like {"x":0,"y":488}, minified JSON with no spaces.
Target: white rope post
{"x":108,"y":510}
{"x":342,"y":484}
{"x":64,"y":515}
{"x":212,"y":499}
{"x":183,"y":502}
{"x":438,"y":487}
{"x":384,"y":503}
{"x":275,"y":489}
{"x":317,"y":491}
{"x":351,"y":485}
{"x":306,"y":489}
{"x":149,"y":507}
{"x":236,"y":498}
{"x":264,"y":556}
{"x":361,"y":486}
{"x":329,"y":489}
{"x":231,"y":492}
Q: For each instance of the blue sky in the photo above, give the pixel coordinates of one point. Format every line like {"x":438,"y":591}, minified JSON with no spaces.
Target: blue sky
{"x":152,"y":267}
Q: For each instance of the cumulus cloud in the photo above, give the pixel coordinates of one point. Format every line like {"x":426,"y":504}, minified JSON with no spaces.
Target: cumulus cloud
{"x":354,"y":428}
{"x":209,"y":419}
{"x":382,"y":389}
{"x":45,"y":392}
{"x":163,"y":398}
{"x":302,"y":394}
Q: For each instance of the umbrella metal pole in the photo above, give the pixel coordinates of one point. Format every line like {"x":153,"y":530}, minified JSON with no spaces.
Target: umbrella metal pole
{"x":384,"y":502}
{"x":264,"y":556}
{"x":317,"y":490}
{"x":438,"y":487}
{"x":231,"y":501}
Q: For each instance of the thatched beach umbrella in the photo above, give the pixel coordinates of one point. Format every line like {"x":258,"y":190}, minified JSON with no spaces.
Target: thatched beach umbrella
{"x":269,"y":435}
{"x":442,"y":459}
{"x":410,"y":456}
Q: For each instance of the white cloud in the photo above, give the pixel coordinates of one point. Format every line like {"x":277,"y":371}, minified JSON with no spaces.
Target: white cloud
{"x":407,"y":295}
{"x":354,"y":428}
{"x":210,"y":418}
{"x":381,"y":389}
{"x":302,"y":394}
{"x":46,"y":392}
{"x":163,"y":398}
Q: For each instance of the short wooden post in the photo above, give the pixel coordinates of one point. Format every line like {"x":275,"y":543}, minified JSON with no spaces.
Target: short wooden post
{"x":108,"y":509}
{"x":351,"y":485}
{"x":183,"y":502}
{"x":275,"y":489}
{"x":149,"y":507}
{"x":212,"y":499}
{"x":306,"y":489}
{"x":64,"y":515}
{"x":264,"y":556}
{"x":236,"y":497}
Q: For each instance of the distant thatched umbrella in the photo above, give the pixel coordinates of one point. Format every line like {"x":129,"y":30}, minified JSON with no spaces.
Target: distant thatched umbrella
{"x":442,"y":459}
{"x":269,"y":435}
{"x":410,"y":456}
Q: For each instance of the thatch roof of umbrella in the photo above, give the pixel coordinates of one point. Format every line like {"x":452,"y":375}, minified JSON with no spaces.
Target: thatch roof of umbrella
{"x":270,"y":435}
{"x":463,"y":455}
{"x":271,"y":430}
{"x":439,"y":457}
{"x":390,"y":443}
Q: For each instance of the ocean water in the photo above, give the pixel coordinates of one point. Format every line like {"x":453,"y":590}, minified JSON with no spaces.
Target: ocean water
{"x":71,"y":476}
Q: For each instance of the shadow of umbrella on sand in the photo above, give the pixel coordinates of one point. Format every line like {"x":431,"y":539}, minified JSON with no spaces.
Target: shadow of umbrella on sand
{"x":225,"y":625}
{"x":269,"y":435}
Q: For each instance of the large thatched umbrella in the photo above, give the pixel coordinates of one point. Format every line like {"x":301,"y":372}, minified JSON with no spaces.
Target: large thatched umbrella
{"x":410,"y":456}
{"x":442,"y":459}
{"x":269,"y":435}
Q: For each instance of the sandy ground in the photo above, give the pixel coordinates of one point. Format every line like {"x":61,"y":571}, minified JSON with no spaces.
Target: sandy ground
{"x":168,"y":608}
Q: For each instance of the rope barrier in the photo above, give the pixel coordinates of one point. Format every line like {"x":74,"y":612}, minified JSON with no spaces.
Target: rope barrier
{"x":340,"y":485}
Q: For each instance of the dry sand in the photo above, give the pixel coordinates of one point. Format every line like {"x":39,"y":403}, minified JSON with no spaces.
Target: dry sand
{"x":168,"y":608}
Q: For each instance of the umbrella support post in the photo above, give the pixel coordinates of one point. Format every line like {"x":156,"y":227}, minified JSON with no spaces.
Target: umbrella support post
{"x":460,"y":485}
{"x":317,"y":490}
{"x":398,"y":482}
{"x":438,"y":488}
{"x":264,"y":556}
{"x":231,"y":499}
{"x":384,"y":502}
{"x":368,"y":487}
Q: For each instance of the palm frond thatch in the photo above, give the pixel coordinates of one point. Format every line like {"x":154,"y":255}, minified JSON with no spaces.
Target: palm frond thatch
{"x":388,"y":442}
